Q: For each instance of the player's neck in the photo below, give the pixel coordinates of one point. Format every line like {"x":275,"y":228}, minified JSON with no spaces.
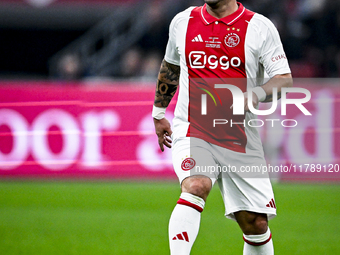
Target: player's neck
{"x":221,"y":10}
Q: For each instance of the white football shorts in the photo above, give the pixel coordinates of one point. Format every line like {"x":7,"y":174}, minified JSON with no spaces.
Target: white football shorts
{"x":243,"y":181}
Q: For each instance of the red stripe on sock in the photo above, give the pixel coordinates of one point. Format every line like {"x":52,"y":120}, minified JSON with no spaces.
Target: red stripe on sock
{"x":185,"y":234}
{"x":187,"y":203}
{"x":258,"y":244}
{"x":180,"y":237}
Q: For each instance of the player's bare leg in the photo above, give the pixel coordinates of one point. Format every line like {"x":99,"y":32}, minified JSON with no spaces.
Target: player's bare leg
{"x":256,"y":234}
{"x":186,"y":216}
{"x":197,"y":185}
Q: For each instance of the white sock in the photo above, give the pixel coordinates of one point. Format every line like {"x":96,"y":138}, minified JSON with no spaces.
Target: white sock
{"x":258,"y":244}
{"x":184,"y":223}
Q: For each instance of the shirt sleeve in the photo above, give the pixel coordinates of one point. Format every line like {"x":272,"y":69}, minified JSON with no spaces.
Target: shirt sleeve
{"x":272,"y":55}
{"x":171,"y":54}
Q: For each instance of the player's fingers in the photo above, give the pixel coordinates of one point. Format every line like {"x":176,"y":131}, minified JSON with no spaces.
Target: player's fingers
{"x":255,"y":103}
{"x":167,"y":143}
{"x":168,"y":134}
{"x":246,"y":108}
{"x":160,"y":143}
{"x":168,"y":139}
{"x":168,"y":131}
{"x":160,"y":140}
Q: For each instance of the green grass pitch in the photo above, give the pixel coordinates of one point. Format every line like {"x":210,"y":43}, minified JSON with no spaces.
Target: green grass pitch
{"x":132,"y":217}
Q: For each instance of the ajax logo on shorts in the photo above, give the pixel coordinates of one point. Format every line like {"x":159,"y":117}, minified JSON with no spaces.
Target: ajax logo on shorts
{"x":188,"y":164}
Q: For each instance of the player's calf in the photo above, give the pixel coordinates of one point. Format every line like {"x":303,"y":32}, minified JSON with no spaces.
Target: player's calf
{"x":184,"y":223}
{"x":186,"y":216}
{"x":257,"y":236}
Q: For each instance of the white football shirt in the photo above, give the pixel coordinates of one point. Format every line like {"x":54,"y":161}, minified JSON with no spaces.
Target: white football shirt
{"x":238,"y":48}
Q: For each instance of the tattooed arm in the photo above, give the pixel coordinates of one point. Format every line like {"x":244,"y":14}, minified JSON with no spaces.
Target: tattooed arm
{"x":167,"y":83}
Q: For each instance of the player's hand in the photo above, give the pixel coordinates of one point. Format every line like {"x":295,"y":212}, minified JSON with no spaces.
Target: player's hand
{"x":255,"y":101}
{"x":164,"y":132}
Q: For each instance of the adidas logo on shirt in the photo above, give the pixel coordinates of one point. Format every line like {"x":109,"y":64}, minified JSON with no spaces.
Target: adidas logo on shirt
{"x":198,"y":38}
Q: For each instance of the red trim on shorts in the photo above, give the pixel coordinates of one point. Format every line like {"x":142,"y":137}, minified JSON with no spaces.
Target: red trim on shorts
{"x":187,"y":203}
{"x":258,"y":244}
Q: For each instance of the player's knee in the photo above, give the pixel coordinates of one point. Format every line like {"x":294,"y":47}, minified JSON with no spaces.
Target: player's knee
{"x":260,"y":226}
{"x":197,"y":185}
{"x":252,"y":223}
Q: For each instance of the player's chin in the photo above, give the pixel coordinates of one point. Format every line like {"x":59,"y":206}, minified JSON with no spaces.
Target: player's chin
{"x":212,"y":2}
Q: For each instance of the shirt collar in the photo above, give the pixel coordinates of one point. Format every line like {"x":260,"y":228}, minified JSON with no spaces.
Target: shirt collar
{"x":229,"y":20}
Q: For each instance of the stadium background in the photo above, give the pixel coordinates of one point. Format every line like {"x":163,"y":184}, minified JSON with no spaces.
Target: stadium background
{"x":79,"y":165}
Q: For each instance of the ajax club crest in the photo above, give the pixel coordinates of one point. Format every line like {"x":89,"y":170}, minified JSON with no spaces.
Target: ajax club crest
{"x":232,"y":40}
{"x":188,"y":164}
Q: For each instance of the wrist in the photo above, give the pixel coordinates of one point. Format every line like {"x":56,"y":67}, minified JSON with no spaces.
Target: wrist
{"x":260,"y":93}
{"x":158,"y":112}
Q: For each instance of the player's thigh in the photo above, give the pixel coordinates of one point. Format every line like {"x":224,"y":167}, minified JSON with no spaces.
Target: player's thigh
{"x":192,"y":157}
